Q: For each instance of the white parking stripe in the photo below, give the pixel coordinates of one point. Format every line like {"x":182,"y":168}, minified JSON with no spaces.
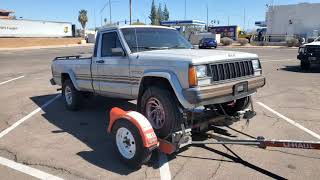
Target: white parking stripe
{"x":165,"y":173}
{"x":27,"y":170}
{"x":11,"y":80}
{"x":16,"y":124}
{"x":290,"y":121}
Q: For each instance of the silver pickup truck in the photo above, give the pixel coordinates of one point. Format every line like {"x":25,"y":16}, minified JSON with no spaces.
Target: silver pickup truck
{"x":162,"y":70}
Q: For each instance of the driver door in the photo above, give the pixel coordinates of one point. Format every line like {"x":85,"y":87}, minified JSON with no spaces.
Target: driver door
{"x":113,"y":67}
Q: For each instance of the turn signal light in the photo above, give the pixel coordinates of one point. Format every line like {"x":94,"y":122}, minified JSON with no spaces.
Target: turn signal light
{"x":193,"y":79}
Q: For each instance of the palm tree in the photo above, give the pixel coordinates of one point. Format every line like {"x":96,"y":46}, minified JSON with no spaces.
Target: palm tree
{"x":83,"y":18}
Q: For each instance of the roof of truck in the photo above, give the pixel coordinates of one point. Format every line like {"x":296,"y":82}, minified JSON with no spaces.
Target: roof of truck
{"x":134,"y":26}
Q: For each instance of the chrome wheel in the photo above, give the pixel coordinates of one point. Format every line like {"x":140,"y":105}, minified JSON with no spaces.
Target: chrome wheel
{"x":68,"y":94}
{"x":125,"y":143}
{"x":155,"y":113}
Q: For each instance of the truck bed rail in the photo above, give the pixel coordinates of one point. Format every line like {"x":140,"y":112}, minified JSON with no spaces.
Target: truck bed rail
{"x":67,"y":57}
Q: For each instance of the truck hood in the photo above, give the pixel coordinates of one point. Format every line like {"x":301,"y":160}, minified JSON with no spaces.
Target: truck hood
{"x":195,"y":56}
{"x":312,"y":44}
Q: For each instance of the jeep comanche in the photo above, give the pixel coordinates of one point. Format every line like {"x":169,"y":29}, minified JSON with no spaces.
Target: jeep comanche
{"x":309,"y":54}
{"x":162,"y":70}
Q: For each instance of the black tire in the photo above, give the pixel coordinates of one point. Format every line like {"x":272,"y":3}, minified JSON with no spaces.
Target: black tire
{"x":305,"y":65}
{"x":170,"y":106}
{"x":141,"y":155}
{"x":239,"y":104}
{"x":76,"y":95}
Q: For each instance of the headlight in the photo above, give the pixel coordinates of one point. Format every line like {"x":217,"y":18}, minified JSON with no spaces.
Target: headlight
{"x":256,"y":64}
{"x":201,"y":71}
{"x":302,"y":50}
{"x":256,"y":67}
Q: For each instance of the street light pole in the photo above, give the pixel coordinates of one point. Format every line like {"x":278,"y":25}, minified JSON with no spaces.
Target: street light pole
{"x":185,"y":9}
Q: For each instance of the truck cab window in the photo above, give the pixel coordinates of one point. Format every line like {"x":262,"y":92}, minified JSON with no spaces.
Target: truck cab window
{"x":109,"y":41}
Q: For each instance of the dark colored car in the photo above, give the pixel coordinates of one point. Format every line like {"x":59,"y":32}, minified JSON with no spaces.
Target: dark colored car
{"x":208,"y":43}
{"x":309,"y":54}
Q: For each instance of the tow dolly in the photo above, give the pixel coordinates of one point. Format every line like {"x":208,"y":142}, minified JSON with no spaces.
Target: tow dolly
{"x":135,"y":139}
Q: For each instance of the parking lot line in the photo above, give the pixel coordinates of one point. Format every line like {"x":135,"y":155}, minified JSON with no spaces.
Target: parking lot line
{"x":290,"y":121}
{"x":11,"y":80}
{"x":16,"y":124}
{"x":27,"y":170}
{"x":165,"y":173}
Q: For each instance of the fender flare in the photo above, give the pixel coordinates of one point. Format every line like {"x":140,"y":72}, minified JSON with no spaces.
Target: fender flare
{"x":175,"y":84}
{"x":146,"y":131}
{"x":72,"y":78}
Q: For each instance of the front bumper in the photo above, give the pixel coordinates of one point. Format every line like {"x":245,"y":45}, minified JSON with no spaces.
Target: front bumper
{"x":310,"y":59}
{"x":220,"y":93}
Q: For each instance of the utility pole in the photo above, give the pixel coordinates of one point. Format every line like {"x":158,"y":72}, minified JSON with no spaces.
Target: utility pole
{"x":228,"y":20}
{"x":207,"y":16}
{"x":130,"y":3}
{"x":95,"y":19}
{"x":110,"y":11}
{"x":185,"y":9}
{"x":244,"y":19}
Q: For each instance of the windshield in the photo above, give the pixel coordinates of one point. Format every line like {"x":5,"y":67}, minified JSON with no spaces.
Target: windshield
{"x":147,"y":39}
{"x":208,"y":39}
{"x":317,"y":40}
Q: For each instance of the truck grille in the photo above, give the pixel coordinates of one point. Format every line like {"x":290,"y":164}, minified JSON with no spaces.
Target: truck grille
{"x":315,"y":50}
{"x":231,"y":70}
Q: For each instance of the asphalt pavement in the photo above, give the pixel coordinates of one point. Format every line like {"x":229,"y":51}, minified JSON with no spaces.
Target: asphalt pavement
{"x":37,"y":133}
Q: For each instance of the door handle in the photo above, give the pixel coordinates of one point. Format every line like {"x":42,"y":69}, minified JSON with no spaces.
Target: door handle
{"x":100,"y":61}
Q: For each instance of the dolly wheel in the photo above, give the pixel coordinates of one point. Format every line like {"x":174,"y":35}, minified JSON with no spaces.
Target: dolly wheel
{"x":129,"y":145}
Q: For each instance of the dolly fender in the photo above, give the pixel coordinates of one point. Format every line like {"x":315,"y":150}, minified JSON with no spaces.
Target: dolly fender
{"x":146,"y":131}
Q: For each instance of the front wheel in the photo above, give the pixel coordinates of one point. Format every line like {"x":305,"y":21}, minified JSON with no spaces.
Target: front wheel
{"x":129,"y":145}
{"x":160,"y":107}
{"x":305,"y":65}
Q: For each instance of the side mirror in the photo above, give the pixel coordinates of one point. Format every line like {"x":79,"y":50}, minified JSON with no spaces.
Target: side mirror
{"x":117,"y":52}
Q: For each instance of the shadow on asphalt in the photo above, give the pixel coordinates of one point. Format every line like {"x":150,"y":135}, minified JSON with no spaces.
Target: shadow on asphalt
{"x":234,"y":158}
{"x":89,"y":125}
{"x":313,"y":69}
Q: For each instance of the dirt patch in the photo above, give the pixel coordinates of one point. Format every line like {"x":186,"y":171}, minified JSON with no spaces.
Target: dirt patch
{"x":28,"y":42}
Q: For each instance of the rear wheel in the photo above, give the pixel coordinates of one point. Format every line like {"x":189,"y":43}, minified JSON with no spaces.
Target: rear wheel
{"x":128,"y":144}
{"x":160,"y":107}
{"x":305,"y":65}
{"x":72,"y":97}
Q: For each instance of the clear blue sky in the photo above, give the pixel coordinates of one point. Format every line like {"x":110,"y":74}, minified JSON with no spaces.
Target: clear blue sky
{"x":67,"y":10}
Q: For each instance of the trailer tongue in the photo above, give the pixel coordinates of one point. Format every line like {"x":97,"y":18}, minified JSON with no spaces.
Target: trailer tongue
{"x":135,"y":146}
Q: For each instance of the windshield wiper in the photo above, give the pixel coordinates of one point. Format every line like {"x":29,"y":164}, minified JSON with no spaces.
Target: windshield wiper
{"x":150,"y":47}
{"x":178,"y":47}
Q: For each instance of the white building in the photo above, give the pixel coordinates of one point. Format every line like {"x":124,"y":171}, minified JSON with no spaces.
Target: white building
{"x":298,"y":19}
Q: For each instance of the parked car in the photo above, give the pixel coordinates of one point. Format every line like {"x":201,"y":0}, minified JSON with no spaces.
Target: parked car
{"x":309,"y":54}
{"x":208,"y":43}
{"x":162,"y":70}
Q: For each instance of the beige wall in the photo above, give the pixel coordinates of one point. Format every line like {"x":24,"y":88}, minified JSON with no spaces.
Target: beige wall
{"x":28,"y":42}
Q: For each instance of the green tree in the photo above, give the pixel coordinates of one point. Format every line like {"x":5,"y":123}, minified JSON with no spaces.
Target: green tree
{"x":153,"y":14}
{"x":160,"y":14}
{"x":166,"y":14}
{"x":83,"y":18}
